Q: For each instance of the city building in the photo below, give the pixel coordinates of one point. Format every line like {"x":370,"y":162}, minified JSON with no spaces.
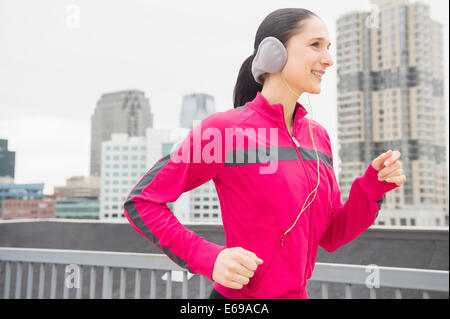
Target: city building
{"x":20,"y":191}
{"x":78,"y":208}
{"x":204,"y":204}
{"x":80,"y":187}
{"x":196,"y":107}
{"x":123,"y":163}
{"x":118,"y":112}
{"x":7,"y":163}
{"x":412,"y":215}
{"x":126,"y":159}
{"x":28,"y":208}
{"x":390,"y":96}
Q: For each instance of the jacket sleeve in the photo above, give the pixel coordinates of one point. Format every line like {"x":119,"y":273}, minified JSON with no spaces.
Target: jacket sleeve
{"x":146,"y":209}
{"x":358,"y":213}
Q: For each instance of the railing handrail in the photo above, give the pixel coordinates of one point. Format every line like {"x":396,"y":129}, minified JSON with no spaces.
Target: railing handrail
{"x":89,"y":257}
{"x":395,"y":277}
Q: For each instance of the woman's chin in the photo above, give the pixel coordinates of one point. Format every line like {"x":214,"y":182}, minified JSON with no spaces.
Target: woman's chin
{"x":314,"y":90}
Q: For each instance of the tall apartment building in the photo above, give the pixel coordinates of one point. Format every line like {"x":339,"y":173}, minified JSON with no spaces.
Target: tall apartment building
{"x":118,"y":112}
{"x":123,"y":164}
{"x":390,"y":96}
{"x":7,"y":162}
{"x":196,"y":107}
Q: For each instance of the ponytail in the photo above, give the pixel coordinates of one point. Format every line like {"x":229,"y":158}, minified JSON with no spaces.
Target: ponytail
{"x":246,"y":87}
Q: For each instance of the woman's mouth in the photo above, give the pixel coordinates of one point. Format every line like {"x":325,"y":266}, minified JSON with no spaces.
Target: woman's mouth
{"x":317,"y":75}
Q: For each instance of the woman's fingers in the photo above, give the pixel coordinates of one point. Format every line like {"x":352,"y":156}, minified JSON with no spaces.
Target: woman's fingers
{"x":395,"y":169}
{"x":240,"y":279}
{"x":399,"y":180}
{"x":234,"y":267}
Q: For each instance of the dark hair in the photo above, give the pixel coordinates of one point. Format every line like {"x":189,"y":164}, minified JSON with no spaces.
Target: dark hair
{"x":281,"y":24}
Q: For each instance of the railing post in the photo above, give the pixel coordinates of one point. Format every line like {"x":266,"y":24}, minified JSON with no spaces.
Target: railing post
{"x":184,"y":294}
{"x":92,"y":283}
{"x":7,"y":280}
{"x":53,"y":282}
{"x":80,"y":282}
{"x":398,"y":293}
{"x":324,"y":290}
{"x":122,"y":283}
{"x":18,"y":280}
{"x":372,"y":293}
{"x":137,"y":284}
{"x":153,"y":284}
{"x":30,"y":280}
{"x":65,"y":288}
{"x":202,"y":287}
{"x":41,"y":281}
{"x":107,"y":282}
{"x":348,"y":291}
{"x":169,"y":285}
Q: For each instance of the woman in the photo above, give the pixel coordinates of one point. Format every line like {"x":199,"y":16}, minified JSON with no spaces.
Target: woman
{"x":277,"y":208}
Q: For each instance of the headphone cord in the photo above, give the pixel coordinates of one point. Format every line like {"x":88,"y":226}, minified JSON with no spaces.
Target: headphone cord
{"x":318,"y":167}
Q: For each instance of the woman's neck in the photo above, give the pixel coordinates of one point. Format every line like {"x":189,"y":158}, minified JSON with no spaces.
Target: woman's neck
{"x":275,"y":91}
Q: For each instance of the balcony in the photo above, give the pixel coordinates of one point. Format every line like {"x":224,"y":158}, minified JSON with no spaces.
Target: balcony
{"x":152,"y":276}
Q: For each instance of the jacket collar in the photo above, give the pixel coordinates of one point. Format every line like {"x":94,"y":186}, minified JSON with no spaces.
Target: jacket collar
{"x":275,"y":111}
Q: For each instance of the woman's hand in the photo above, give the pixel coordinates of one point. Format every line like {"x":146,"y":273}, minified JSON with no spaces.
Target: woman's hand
{"x":234,"y":267}
{"x":389,"y":168}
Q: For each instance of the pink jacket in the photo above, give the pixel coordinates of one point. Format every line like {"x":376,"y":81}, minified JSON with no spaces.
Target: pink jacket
{"x":257,"y":206}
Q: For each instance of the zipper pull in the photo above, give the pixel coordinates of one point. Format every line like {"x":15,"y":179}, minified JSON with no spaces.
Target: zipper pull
{"x":282,"y":240}
{"x":295,"y":141}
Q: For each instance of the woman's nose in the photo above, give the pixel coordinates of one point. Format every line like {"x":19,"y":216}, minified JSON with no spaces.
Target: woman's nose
{"x":327,"y":59}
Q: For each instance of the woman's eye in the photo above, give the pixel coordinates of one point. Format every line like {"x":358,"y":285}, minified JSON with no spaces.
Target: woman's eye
{"x":316,"y":44}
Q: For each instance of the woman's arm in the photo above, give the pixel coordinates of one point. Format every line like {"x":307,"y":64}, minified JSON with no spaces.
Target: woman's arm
{"x":358,"y":213}
{"x":146,"y":209}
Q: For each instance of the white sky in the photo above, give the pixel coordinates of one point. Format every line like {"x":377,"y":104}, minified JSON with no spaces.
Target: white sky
{"x":53,"y":74}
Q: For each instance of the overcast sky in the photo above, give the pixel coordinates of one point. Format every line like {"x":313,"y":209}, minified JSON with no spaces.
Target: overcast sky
{"x":58,"y":57}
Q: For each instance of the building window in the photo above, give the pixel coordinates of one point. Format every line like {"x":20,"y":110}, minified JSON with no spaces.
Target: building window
{"x":403,"y":221}
{"x":393,"y":221}
{"x":412,"y":221}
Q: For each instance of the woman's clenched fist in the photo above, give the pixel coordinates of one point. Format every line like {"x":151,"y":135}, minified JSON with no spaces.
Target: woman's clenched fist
{"x":389,"y":168}
{"x":234,"y":267}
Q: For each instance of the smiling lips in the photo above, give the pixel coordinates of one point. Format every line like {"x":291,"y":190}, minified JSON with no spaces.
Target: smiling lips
{"x":318,"y":74}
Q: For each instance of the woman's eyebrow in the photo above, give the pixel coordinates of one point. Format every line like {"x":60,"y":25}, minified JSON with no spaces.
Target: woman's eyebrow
{"x":320,"y":39}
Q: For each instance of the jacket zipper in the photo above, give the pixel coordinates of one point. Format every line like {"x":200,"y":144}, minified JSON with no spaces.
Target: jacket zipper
{"x":296,"y":146}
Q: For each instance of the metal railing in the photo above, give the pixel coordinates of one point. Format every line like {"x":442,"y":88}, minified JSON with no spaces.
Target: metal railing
{"x":153,"y":264}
